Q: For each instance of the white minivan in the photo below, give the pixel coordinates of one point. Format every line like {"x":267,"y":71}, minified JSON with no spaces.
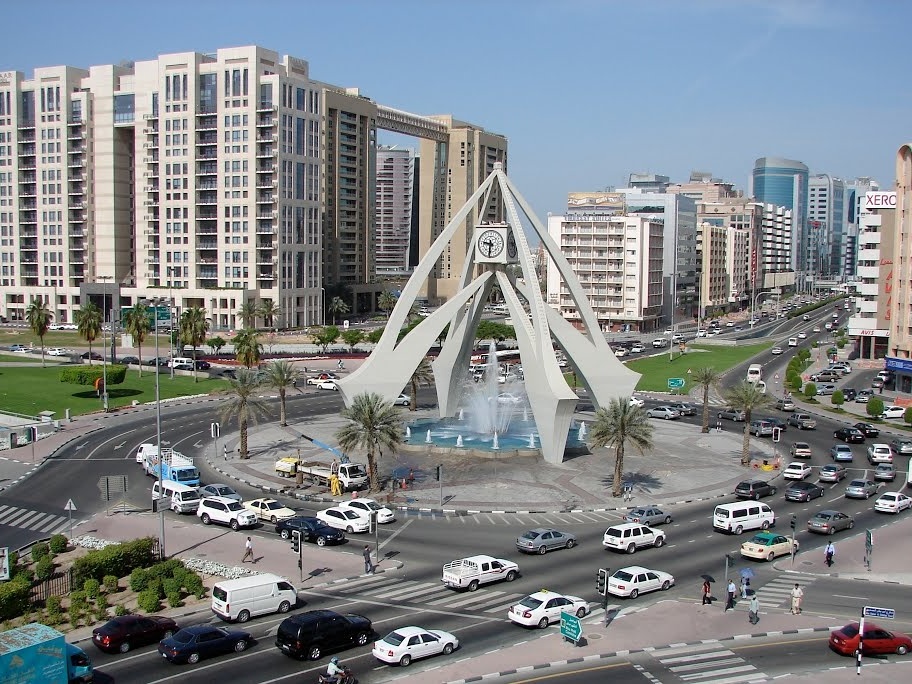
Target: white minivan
{"x":245,"y":597}
{"x":180,"y":498}
{"x":743,"y":515}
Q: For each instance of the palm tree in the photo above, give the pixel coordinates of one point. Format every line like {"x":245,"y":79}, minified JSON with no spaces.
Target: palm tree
{"x":338,"y":306}
{"x":746,"y":396}
{"x":193,"y":329}
{"x":707,"y":378}
{"x":423,"y":375}
{"x":281,"y":375}
{"x":243,"y":404}
{"x":387,"y":301}
{"x":88,"y":323}
{"x":374,"y":424}
{"x":269,"y":311}
{"x":618,"y":425}
{"x":247,"y":347}
{"x":39,"y":319}
{"x":248,"y":314}
{"x":137,"y":323}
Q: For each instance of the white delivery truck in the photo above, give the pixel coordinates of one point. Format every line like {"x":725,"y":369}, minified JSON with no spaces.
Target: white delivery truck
{"x":351,"y":475}
{"x":468,"y":573}
{"x":754,"y":373}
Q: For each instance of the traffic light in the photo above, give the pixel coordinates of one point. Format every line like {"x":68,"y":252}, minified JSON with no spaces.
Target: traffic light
{"x":437,"y":474}
{"x":777,"y":434}
{"x":296,"y":541}
{"x":373,"y":522}
{"x":794,"y":522}
{"x":602,"y":582}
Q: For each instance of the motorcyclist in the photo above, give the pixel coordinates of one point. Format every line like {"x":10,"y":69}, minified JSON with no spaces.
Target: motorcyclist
{"x":333,"y":671}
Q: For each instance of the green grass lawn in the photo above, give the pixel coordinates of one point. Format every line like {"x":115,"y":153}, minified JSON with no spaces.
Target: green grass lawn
{"x":68,"y":339}
{"x":21,"y":358}
{"x":31,"y":390}
{"x":657,"y":369}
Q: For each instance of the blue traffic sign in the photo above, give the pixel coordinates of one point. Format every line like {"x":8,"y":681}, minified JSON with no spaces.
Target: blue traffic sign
{"x":675,"y":383}
{"x":885,"y":613}
{"x":571,"y":628}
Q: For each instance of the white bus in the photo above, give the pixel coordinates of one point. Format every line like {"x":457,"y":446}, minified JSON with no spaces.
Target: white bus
{"x":754,"y":373}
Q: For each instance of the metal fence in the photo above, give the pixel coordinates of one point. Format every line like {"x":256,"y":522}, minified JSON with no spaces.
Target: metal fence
{"x":59,"y":584}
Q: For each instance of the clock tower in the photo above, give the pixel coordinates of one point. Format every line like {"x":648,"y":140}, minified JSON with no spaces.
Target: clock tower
{"x":495,"y":244}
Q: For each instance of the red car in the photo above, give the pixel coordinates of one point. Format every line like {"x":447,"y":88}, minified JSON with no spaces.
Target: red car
{"x":120,"y":634}
{"x":876,"y":640}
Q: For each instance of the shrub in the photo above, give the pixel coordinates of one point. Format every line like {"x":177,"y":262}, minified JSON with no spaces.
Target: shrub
{"x":139,"y":579}
{"x":810,"y":390}
{"x":171,"y":586}
{"x":907,"y":416}
{"x":91,"y":587}
{"x":44,"y":570}
{"x":111,"y":583}
{"x":78,"y":599}
{"x":874,"y":407}
{"x":157,"y":587}
{"x":120,"y":610}
{"x":39,"y":551}
{"x":54,"y":605}
{"x":14,"y":597}
{"x":194,"y":583}
{"x":148,"y":601}
{"x":117,"y":559}
{"x":58,"y":543}
{"x":838,"y":398}
{"x":174,"y":599}
{"x":87,"y":375}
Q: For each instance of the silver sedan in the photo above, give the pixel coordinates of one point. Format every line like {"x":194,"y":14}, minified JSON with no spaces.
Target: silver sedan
{"x":648,"y":515}
{"x":861,"y":489}
{"x":544,"y":539}
{"x":665,"y":412}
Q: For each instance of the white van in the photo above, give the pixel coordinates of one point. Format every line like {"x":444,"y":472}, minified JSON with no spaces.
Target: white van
{"x":240,"y":599}
{"x":793,"y":341}
{"x":178,"y":360}
{"x":180,"y":498}
{"x":754,"y":373}
{"x":743,"y":515}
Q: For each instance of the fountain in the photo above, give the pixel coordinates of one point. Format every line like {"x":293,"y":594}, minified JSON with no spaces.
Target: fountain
{"x":408,"y":433}
{"x":461,"y":414}
{"x":496,"y":443}
{"x":459,"y":441}
{"x":428,"y":440}
{"x":581,"y":435}
{"x":531,"y":440}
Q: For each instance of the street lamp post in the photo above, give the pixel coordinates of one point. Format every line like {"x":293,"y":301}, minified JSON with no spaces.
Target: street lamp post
{"x":104,"y":342}
{"x":757,"y":297}
{"x":161,"y":469}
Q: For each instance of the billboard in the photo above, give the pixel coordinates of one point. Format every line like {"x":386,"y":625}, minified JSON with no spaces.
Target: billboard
{"x":879,"y":200}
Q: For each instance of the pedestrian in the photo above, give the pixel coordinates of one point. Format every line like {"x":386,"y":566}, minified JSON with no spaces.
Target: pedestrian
{"x":248,"y":551}
{"x":368,"y":563}
{"x":745,"y":585}
{"x":730,"y":601}
{"x":628,"y":492}
{"x":753,"y":610}
{"x":225,"y":451}
{"x":829,"y":554}
{"x":719,"y":425}
{"x":707,"y":593}
{"x":797,"y":599}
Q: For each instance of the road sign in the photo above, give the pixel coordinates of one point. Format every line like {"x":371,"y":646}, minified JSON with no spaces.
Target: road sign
{"x":111,"y":485}
{"x":163,"y":313}
{"x":675,"y":383}
{"x":571,"y":628}
{"x":869,"y":540}
{"x":869,"y":612}
{"x":70,"y":506}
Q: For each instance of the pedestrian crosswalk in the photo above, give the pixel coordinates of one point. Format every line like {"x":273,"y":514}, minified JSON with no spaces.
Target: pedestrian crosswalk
{"x":24,"y":518}
{"x":777,"y":593}
{"x":707,"y":664}
{"x":530,"y":520}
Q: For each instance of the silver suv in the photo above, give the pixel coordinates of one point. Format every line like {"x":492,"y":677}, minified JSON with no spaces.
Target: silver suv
{"x":225,"y":511}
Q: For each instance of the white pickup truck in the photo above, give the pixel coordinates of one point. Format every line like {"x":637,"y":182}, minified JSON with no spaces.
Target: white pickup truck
{"x":468,"y":573}
{"x":352,"y":475}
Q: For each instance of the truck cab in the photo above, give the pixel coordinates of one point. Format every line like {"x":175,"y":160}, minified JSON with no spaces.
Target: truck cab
{"x":469,"y":573}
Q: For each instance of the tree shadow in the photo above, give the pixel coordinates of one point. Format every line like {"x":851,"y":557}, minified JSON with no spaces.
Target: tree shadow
{"x":119,"y":393}
{"x":643,"y":483}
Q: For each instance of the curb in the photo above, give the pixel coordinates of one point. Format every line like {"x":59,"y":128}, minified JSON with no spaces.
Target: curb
{"x":646,"y":649}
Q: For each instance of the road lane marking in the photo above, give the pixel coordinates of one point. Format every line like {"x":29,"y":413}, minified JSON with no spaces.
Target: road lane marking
{"x":118,"y":436}
{"x":396,"y":533}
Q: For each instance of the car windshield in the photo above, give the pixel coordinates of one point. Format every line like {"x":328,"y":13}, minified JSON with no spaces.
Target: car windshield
{"x":531,"y":602}
{"x":529,"y":535}
{"x":183,"y":637}
{"x":224,"y":491}
{"x":273,"y":505}
{"x":612,"y":532}
{"x":356,"y":471}
{"x":373,"y":505}
{"x":760,"y":539}
{"x":638,"y":512}
{"x":351,"y":515}
{"x":394,"y":638}
{"x":235,"y":506}
{"x":823,"y":516}
{"x":850,"y":630}
{"x":623,"y":576}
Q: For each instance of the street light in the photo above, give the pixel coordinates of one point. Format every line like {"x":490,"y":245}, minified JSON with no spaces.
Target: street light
{"x":757,"y":297}
{"x":104,"y":342}
{"x":161,"y":469}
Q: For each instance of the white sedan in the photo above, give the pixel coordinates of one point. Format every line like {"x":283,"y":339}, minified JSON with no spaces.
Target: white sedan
{"x":405,"y":644}
{"x":365,"y":506}
{"x":58,"y":351}
{"x":544,"y":607}
{"x":328,"y":385}
{"x":269,"y":509}
{"x":637,"y":580}
{"x":636,"y":401}
{"x":344,"y":519}
{"x":775,"y":351}
{"x":892,"y":502}
{"x":894,"y":412}
{"x":796,"y":471}
{"x":802,"y":335}
{"x":402,"y":400}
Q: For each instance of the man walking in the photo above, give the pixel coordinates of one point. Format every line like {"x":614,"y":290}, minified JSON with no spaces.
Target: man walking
{"x":707,"y":593}
{"x":829,"y":554}
{"x":368,"y":563}
{"x":248,"y":551}
{"x":628,"y":492}
{"x":745,"y":585}
{"x":225,"y":452}
{"x":753,"y":610}
{"x":730,"y":601}
{"x":797,"y":599}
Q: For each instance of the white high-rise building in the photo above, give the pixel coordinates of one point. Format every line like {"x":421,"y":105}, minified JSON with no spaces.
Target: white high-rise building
{"x":395,"y":192}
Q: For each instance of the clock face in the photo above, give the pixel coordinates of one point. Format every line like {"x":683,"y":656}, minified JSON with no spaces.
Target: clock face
{"x":490,"y":244}
{"x":511,"y":246}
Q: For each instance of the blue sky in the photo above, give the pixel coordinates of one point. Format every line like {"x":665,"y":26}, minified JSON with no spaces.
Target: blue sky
{"x":586,"y":90}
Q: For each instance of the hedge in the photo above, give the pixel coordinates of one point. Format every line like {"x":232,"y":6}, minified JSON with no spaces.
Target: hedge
{"x":14,"y":597}
{"x":87,"y":375}
{"x":117,"y":559}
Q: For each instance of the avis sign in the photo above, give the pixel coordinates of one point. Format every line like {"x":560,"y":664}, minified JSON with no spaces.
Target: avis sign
{"x":879,"y":200}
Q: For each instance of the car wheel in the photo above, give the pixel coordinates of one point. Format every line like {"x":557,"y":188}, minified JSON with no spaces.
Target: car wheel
{"x":658,"y":542}
{"x":634,"y":593}
{"x":405,"y":660}
{"x":773,"y":491}
{"x":167,"y":634}
{"x":739,"y":529}
{"x":473,"y":585}
{"x":770,"y":556}
{"x":235,"y":525}
{"x":511,"y":576}
{"x":284,"y":607}
{"x":542,"y":550}
{"x":193,"y":658}
{"x":764,"y":525}
{"x":314,"y":653}
{"x":581,"y":612}
{"x":243,"y":616}
{"x":631,"y":548}
{"x":350,"y":529}
{"x":363,"y":638}
{"x":205,"y":518}
{"x":273,"y":520}
{"x":667,"y":519}
{"x":756,"y":497}
{"x":321,"y":541}
{"x":240,"y":646}
{"x":665,"y":585}
{"x":447,"y":649}
{"x":571,"y":543}
{"x":285,"y":534}
{"x":543,"y":623}
{"x":124,"y":647}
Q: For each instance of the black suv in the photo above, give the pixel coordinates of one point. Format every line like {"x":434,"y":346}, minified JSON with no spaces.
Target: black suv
{"x":754,"y":489}
{"x":311,"y":529}
{"x":311,"y":634}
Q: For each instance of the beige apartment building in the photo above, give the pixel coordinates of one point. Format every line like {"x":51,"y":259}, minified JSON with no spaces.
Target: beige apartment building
{"x":724,"y":256}
{"x":897,"y":287}
{"x":394,"y":195}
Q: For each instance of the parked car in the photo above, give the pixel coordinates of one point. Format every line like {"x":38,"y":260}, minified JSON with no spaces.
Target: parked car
{"x":877,"y":641}
{"x":95,"y":356}
{"x":635,"y":580}
{"x":664,"y":412}
{"x":754,"y":489}
{"x":892,"y":502}
{"x":841,"y":452}
{"x":311,"y":530}
{"x":861,"y":489}
{"x":544,"y":539}
{"x":885,"y":472}
{"x":850,"y":435}
{"x":544,"y":607}
{"x":192,"y":644}
{"x":825,"y":389}
{"x":800,"y":450}
{"x":785,"y":405}
{"x":648,"y":515}
{"x":802,"y":421}
{"x":878,"y":383}
{"x":867,"y":429}
{"x":129,"y":361}
{"x":734,"y":414}
{"x":123,"y":633}
{"x":314,"y":633}
{"x":894,"y":412}
{"x":830,"y":522}
{"x":832,"y":472}
{"x":803,"y":491}
{"x":863,"y":396}
{"x":405,"y":644}
{"x":768,"y":545}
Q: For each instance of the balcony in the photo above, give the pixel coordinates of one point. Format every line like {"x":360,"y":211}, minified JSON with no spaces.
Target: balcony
{"x":151,"y":144}
{"x":76,"y":135}
{"x":265,"y":152}
{"x":209,"y":154}
{"x":28,"y":244}
{"x":27,"y":204}
{"x":265,"y":198}
{"x":27,"y":150}
{"x":28,"y":232}
{"x":266,"y":259}
{"x":266,"y":106}
{"x":207,"y":169}
{"x":263,"y":215}
{"x":28,"y":189}
{"x":207,"y":197}
{"x":76,"y":162}
{"x":27,"y":137}
{"x":206,"y":122}
{"x":207,"y":244}
{"x":267,"y":168}
{"x":266,"y":229}
{"x":26,"y":125}
{"x":207,"y":139}
{"x":265,"y":137}
{"x":206,"y":260}
{"x":76,"y":233}
{"x":76,"y":189}
{"x":270,"y":183}
{"x":208,"y":273}
{"x":151,"y":187}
